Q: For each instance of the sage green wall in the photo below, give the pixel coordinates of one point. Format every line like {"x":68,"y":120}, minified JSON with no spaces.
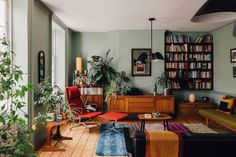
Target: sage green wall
{"x":120,"y":43}
{"x":223,"y":68}
{"x":41,"y":40}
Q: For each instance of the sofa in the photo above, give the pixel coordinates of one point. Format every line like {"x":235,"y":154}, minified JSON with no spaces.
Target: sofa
{"x":228,"y":121}
{"x":194,"y":144}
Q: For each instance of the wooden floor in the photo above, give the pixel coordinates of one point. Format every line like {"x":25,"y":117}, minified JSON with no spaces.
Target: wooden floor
{"x":84,"y":142}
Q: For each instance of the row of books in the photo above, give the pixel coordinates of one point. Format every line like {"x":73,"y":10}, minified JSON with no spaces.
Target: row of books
{"x":200,"y":48}
{"x":198,"y":84}
{"x":176,"y":57}
{"x":177,"y":65}
{"x":200,"y":57}
{"x":177,"y":48}
{"x":177,"y":74}
{"x":200,"y":74}
{"x":207,"y":38}
{"x":179,"y":38}
{"x":173,"y":85}
{"x":200,"y":65}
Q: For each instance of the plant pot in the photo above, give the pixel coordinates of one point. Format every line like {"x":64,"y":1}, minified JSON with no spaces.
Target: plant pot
{"x":52,"y":115}
{"x":166,"y":91}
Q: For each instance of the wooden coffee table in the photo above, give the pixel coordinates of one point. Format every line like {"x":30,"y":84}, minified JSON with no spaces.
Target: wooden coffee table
{"x":163,"y":117}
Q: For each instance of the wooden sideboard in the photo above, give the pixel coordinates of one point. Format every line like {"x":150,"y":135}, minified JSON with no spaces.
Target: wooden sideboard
{"x":141,"y":104}
{"x":188,"y":109}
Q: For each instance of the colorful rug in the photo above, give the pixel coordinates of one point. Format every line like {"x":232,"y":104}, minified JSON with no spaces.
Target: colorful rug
{"x":195,"y":128}
{"x":111,"y":143}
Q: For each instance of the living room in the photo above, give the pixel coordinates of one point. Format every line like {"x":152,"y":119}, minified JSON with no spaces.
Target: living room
{"x":165,"y":69}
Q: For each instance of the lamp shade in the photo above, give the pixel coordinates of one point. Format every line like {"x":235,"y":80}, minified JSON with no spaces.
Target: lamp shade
{"x":157,"y":56}
{"x":216,"y":11}
{"x":79,"y":65}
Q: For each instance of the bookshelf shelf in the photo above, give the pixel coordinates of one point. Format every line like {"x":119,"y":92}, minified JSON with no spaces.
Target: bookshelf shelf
{"x":189,"y":63}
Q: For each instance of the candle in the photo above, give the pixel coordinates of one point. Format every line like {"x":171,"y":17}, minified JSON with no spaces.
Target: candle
{"x":79,"y":64}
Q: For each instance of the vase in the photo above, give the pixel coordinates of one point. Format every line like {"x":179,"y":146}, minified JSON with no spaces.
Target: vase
{"x":192,"y":98}
{"x":166,"y":91}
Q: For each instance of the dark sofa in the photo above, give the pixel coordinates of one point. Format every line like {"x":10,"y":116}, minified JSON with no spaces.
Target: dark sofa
{"x":194,"y":145}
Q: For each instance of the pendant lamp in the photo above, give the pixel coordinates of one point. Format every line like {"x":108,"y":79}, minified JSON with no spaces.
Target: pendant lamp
{"x":156,"y":55}
{"x":216,"y":11}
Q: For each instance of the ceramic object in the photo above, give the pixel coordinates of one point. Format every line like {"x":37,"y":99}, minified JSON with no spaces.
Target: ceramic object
{"x":166,"y":91}
{"x":192,"y":98}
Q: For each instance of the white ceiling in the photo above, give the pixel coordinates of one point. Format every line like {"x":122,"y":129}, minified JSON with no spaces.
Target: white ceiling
{"x":109,"y":15}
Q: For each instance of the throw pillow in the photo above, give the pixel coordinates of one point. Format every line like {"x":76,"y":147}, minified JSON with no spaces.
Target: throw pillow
{"x":226,"y":105}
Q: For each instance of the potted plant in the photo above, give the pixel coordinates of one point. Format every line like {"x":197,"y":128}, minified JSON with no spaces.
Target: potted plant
{"x":52,"y":98}
{"x":101,"y":72}
{"x":15,"y":130}
{"x":119,"y":85}
{"x":162,"y":81}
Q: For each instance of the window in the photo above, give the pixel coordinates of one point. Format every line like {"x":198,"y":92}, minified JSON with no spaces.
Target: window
{"x":4,"y":18}
{"x":4,"y":31}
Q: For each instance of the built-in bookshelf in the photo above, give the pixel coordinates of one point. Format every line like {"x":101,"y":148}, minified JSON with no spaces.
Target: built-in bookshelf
{"x":189,"y":61}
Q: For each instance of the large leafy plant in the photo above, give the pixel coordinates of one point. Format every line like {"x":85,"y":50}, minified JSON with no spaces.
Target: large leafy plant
{"x":100,"y":71}
{"x":119,"y":85}
{"x":15,"y":132}
{"x":51,"y":96}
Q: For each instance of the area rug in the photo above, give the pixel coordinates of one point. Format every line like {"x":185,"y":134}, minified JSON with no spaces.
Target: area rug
{"x":111,"y":143}
{"x":195,"y":128}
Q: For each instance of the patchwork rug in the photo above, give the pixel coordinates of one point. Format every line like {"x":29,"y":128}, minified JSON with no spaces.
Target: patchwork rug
{"x":111,"y":143}
{"x":196,"y":128}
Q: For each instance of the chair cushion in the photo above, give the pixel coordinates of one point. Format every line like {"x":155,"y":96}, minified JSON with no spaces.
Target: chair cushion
{"x":90,"y":114}
{"x":114,"y":116}
{"x":73,"y":92}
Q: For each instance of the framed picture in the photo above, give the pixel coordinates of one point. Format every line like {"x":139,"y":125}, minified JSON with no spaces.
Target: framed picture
{"x":234,"y":72}
{"x":233,"y":55}
{"x":141,"y":62}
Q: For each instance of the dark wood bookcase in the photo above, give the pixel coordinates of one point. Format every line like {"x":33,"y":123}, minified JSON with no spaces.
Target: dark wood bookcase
{"x":189,"y":62}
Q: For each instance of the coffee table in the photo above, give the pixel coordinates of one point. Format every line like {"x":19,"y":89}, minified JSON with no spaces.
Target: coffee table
{"x":163,"y":117}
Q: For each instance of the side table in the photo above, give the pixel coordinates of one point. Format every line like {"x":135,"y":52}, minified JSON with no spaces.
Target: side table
{"x":57,"y":136}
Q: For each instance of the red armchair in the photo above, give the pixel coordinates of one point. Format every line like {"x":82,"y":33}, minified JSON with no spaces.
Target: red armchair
{"x":74,"y":99}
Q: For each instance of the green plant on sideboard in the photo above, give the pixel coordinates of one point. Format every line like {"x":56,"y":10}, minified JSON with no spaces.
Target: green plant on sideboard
{"x":118,"y":86}
{"x":15,"y":131}
{"x":161,"y":81}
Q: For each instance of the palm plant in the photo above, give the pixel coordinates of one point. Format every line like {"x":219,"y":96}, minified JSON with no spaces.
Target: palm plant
{"x":100,"y":71}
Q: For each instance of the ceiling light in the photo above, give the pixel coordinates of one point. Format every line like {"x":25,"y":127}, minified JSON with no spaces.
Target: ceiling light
{"x":156,"y":55}
{"x":216,"y":11}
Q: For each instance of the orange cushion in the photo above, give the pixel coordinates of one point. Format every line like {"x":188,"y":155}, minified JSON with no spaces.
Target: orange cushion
{"x":114,"y":116}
